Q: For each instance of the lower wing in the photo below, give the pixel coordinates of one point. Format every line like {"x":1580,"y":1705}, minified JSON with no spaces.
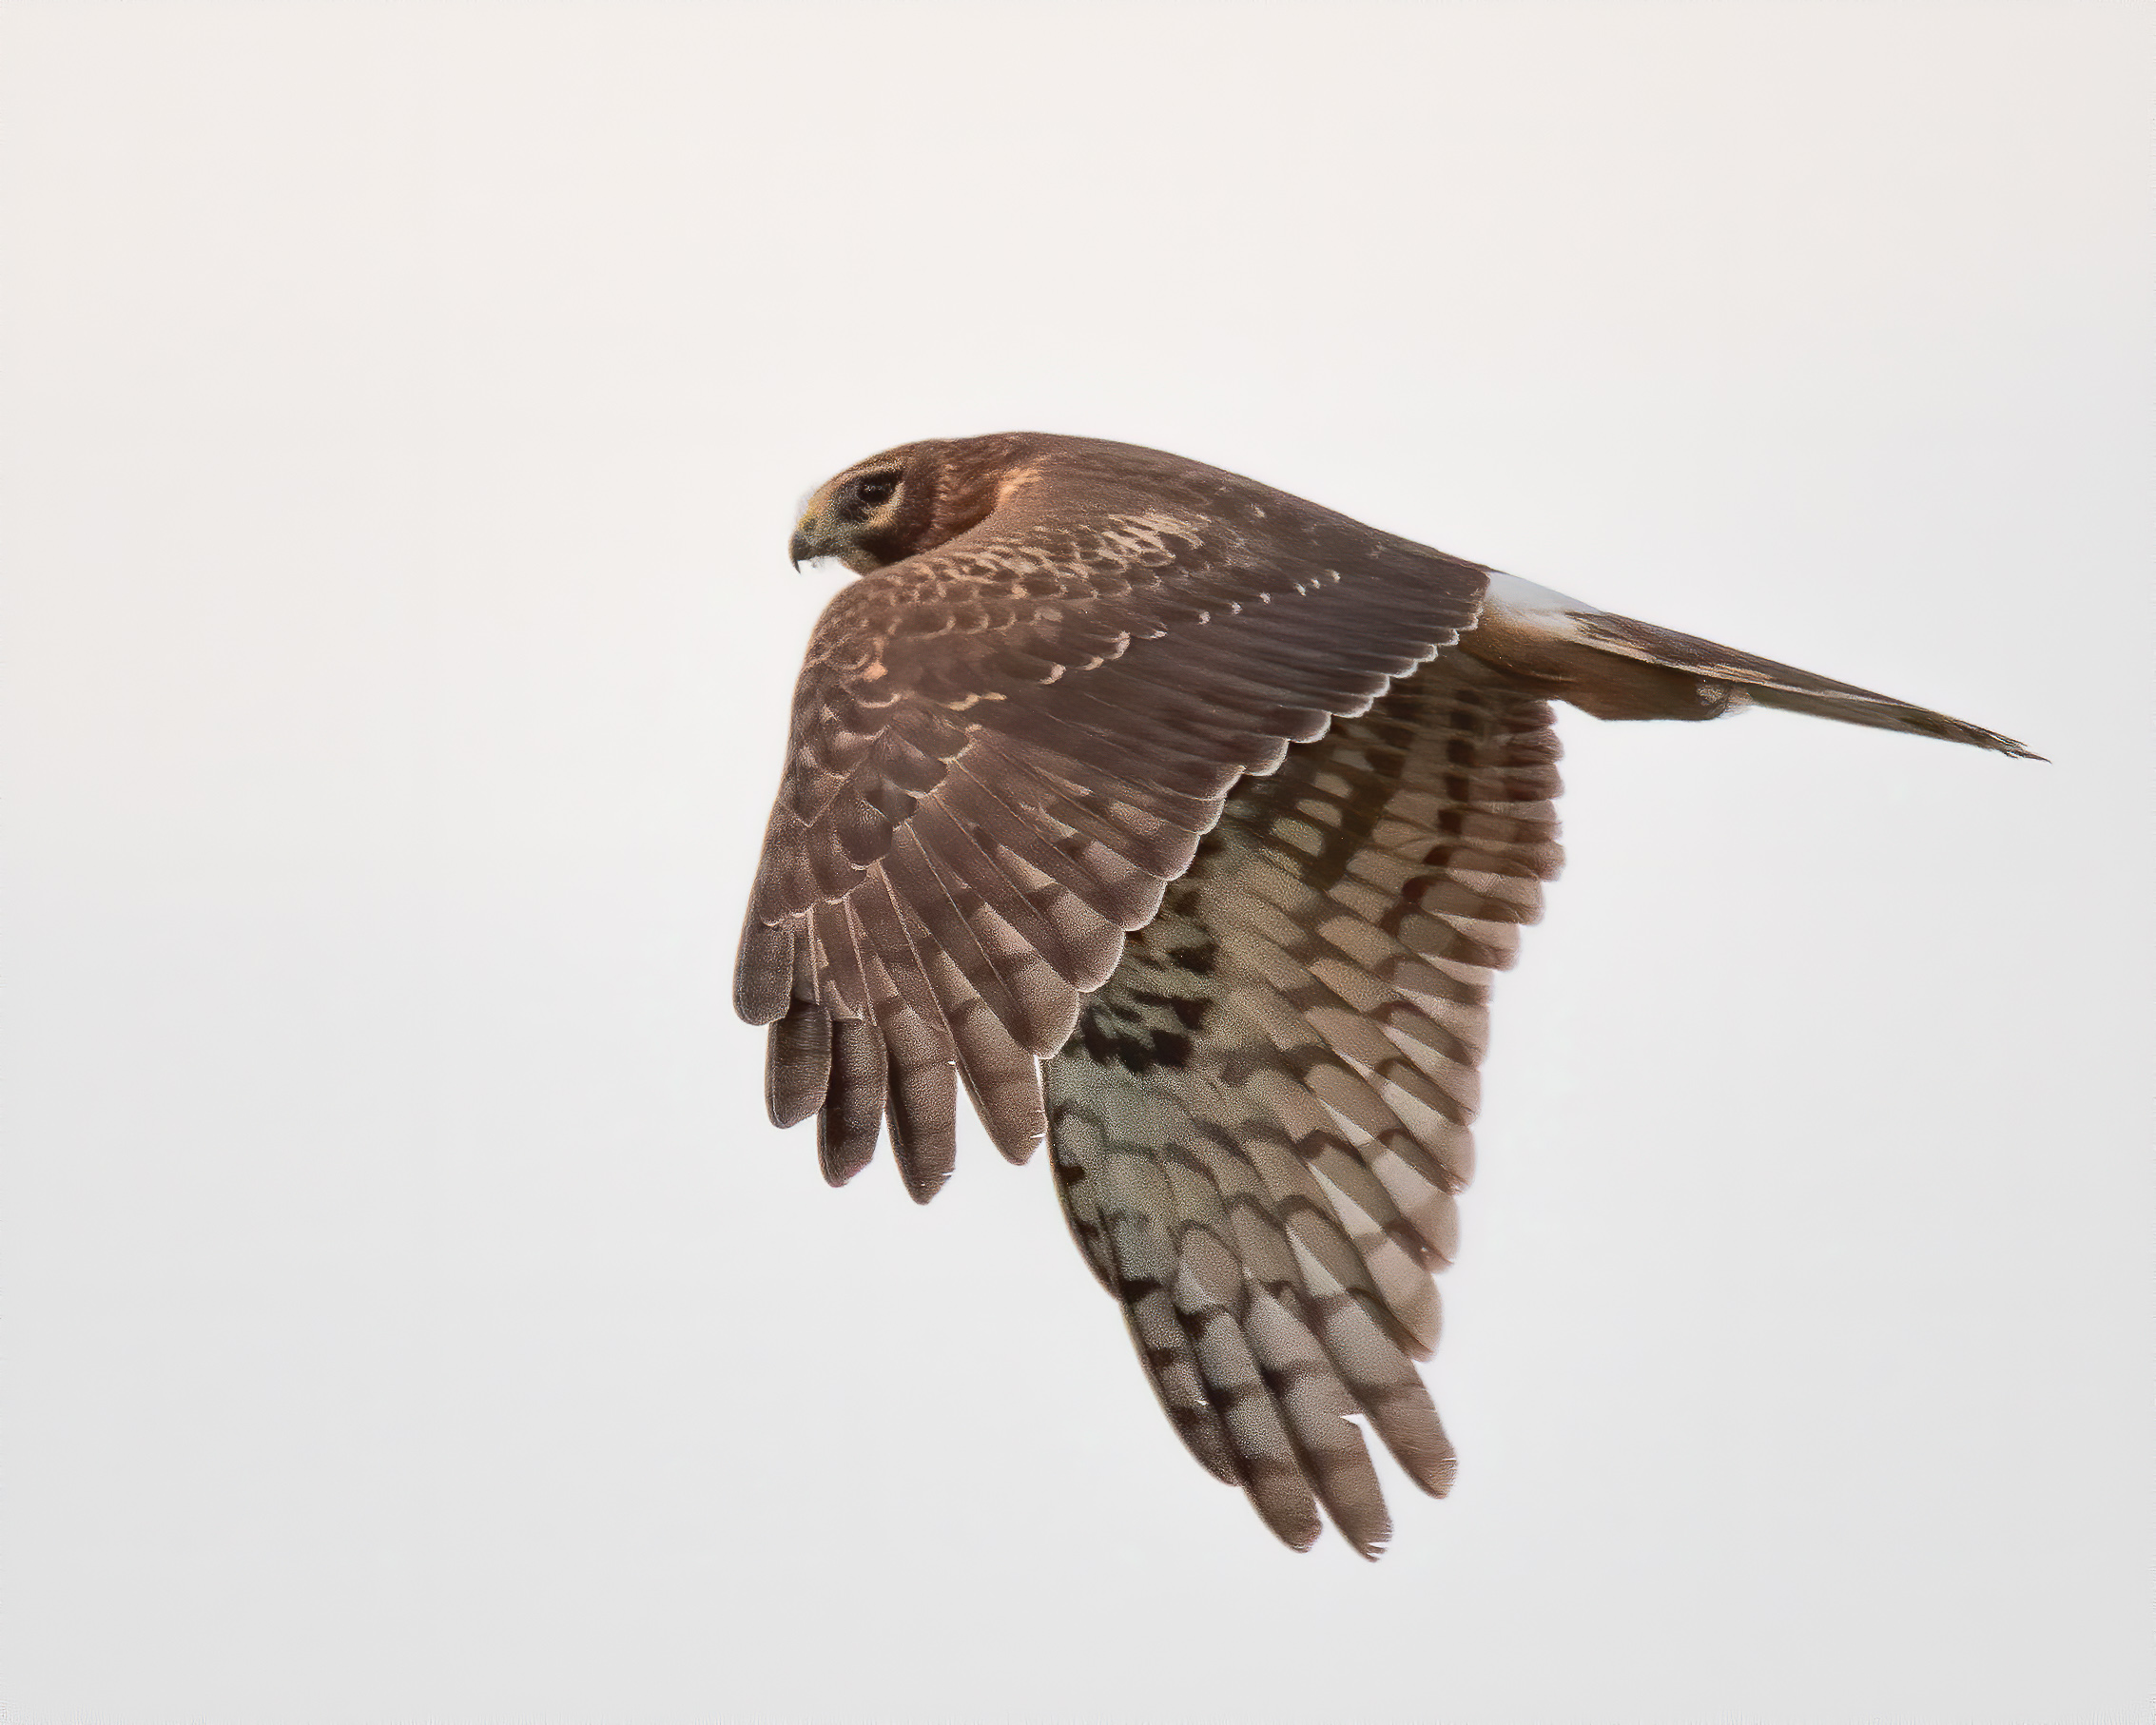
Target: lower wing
{"x":1260,"y":1122}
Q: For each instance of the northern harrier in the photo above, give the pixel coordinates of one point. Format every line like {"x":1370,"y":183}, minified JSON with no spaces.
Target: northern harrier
{"x":1183,"y":822}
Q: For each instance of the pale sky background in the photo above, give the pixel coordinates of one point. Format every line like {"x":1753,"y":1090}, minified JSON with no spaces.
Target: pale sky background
{"x":411,"y":1316}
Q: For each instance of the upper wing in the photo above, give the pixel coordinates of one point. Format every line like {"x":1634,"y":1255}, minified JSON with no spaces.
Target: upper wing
{"x":1261,"y":1120}
{"x":1002,"y":750}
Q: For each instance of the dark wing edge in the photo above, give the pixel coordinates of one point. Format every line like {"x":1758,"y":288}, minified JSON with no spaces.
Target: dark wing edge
{"x":1260,"y":1122}
{"x":1001,"y":753}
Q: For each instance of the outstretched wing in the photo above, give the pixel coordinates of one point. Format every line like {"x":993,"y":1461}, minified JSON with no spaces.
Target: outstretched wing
{"x":1259,"y":1124}
{"x":1001,"y":753}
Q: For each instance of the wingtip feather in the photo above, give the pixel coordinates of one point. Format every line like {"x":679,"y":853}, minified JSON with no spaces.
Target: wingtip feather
{"x":763,"y":976}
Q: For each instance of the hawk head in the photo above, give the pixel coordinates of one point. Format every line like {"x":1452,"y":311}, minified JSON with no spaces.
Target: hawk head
{"x":910,"y":500}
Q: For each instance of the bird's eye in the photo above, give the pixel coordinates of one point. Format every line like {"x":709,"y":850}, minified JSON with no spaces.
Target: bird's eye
{"x":875,"y":491}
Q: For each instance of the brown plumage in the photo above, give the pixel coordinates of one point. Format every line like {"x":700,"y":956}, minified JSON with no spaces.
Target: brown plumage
{"x":1183,"y":822}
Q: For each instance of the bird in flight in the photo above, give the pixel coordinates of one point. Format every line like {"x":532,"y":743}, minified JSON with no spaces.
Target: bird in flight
{"x":1183,"y":822}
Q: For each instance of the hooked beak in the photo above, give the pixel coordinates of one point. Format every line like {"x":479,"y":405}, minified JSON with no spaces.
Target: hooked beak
{"x":807,"y":542}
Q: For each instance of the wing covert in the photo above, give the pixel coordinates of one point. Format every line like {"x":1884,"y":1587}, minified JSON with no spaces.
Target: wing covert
{"x":1001,"y":753}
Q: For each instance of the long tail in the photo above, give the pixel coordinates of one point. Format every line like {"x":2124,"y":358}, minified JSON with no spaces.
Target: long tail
{"x":1617,"y":668}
